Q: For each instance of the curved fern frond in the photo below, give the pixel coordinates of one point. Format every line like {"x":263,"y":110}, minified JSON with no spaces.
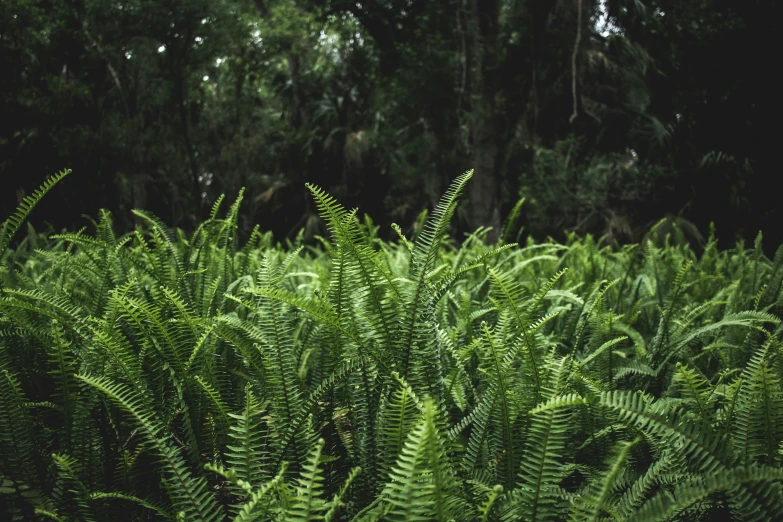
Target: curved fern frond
{"x":667,"y":504}
{"x":537,"y":496}
{"x":427,"y":244}
{"x":189,"y":495}
{"x":344,"y":227}
{"x":422,"y":480}
{"x":100,"y":495}
{"x":746,"y":319}
{"x":397,"y":417}
{"x":595,"y":503}
{"x":706,"y":450}
{"x":246,"y":450}
{"x":262,"y":503}
{"x":307,"y":505}
{"x":12,"y":224}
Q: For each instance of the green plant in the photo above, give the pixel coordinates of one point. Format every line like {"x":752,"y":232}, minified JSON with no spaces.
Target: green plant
{"x":187,"y":377}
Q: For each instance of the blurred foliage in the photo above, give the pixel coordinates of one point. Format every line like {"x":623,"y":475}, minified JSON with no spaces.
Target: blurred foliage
{"x":604,"y":195}
{"x":606,"y":114}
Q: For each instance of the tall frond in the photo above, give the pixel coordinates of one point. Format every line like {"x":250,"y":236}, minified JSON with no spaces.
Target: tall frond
{"x":12,"y":224}
{"x":537,"y":496}
{"x":189,"y":495}
{"x":422,"y":480}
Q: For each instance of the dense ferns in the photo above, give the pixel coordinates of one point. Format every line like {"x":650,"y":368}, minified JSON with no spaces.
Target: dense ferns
{"x":159,"y":375}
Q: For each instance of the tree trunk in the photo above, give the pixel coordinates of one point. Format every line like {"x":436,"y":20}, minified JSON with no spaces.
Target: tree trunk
{"x":300,"y":116}
{"x":483,"y":35}
{"x":179,"y":66}
{"x":191,"y":154}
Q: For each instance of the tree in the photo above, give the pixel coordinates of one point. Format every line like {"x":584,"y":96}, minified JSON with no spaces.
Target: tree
{"x":606,"y":114}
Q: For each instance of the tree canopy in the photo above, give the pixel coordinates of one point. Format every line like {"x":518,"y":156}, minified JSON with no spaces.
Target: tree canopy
{"x":606,"y":115}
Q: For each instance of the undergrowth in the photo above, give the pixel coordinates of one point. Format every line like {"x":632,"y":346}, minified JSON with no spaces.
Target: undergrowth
{"x":159,"y":375}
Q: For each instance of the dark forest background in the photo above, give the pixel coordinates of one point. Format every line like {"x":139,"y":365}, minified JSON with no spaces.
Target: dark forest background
{"x":607,"y":116}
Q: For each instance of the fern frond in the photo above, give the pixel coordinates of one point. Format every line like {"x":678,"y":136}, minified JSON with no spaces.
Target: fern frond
{"x":100,"y":495}
{"x":427,"y":244}
{"x":758,"y":412}
{"x":85,"y":509}
{"x":324,"y":313}
{"x":27,"y":205}
{"x":422,"y":479}
{"x":512,"y":221}
{"x":595,"y":502}
{"x":308,"y":504}
{"x":746,"y":319}
{"x":261,"y":504}
{"x":706,"y":451}
{"x":246,"y":450}
{"x":537,"y":496}
{"x":667,"y":504}
{"x":344,"y":227}
{"x":189,"y":495}
{"x":18,"y":445}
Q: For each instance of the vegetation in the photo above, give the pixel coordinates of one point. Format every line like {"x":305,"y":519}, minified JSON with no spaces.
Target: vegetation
{"x":606,"y":115}
{"x":159,"y":374}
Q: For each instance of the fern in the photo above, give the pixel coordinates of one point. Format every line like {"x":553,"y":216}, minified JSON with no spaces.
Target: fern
{"x":189,"y":376}
{"x":667,"y":504}
{"x":397,"y":417}
{"x":248,"y":437}
{"x":13,"y":223}
{"x":21,"y":461}
{"x":538,"y":493}
{"x":422,"y":480}
{"x":423,"y":256}
{"x":597,"y":502}
{"x":188,"y":494}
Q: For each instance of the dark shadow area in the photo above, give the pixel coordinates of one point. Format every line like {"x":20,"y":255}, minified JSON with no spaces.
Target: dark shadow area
{"x":607,"y":116}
